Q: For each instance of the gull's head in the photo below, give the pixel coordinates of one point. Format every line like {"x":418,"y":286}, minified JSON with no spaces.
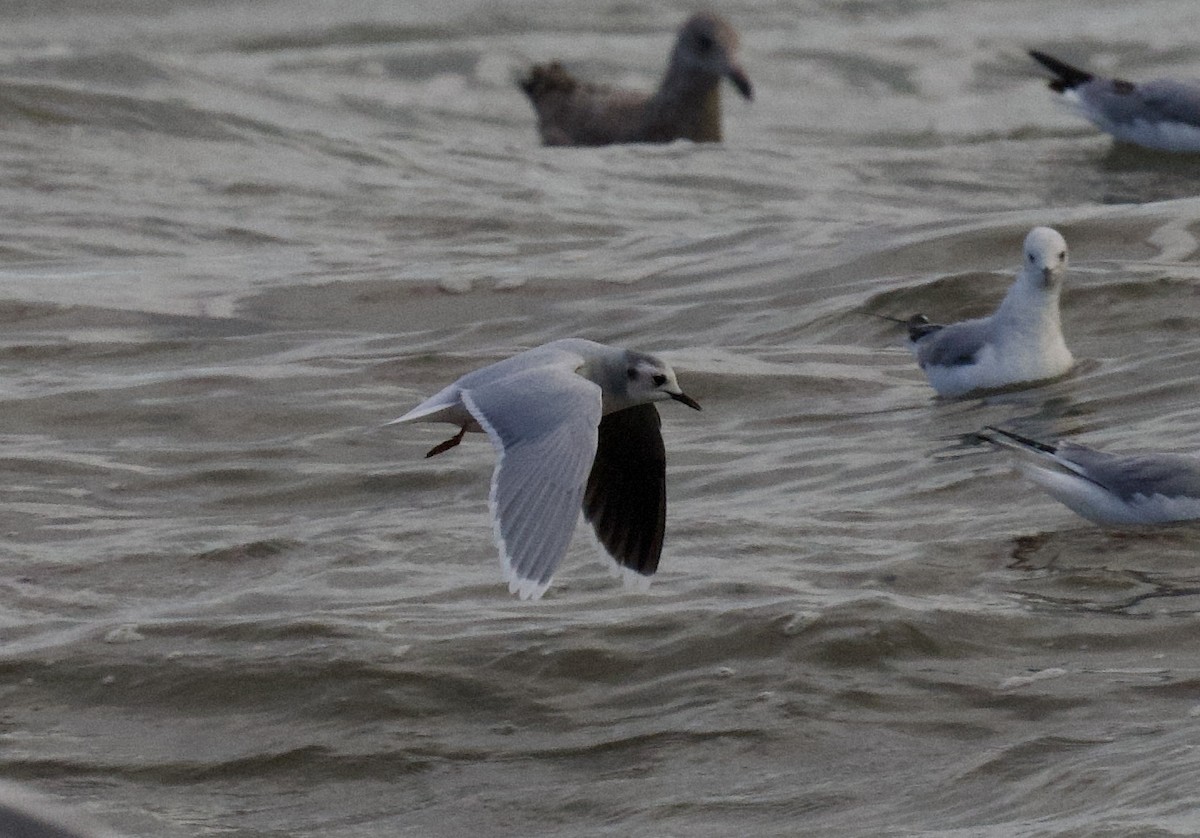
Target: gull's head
{"x":649,"y":379}
{"x":1045,"y":256}
{"x":708,"y":45}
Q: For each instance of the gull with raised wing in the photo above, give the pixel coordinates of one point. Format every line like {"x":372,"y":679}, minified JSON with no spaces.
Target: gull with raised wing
{"x":686,"y":106}
{"x":1162,"y":114}
{"x":1110,"y":489}
{"x":574,"y":426}
{"x":1021,"y":342}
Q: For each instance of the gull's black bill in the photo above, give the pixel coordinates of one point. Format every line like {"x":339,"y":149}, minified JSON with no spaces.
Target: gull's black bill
{"x":686,"y":399}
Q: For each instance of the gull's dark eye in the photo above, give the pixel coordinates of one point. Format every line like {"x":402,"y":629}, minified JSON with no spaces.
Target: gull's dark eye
{"x":632,"y":373}
{"x":1062,"y":256}
{"x":1031,"y":257}
{"x":659,"y":379}
{"x":704,"y":42}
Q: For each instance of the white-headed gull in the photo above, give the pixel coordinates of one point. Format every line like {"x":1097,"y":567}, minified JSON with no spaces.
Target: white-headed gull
{"x":1021,"y":342}
{"x":574,"y":425}
{"x":1163,"y":114}
{"x":1110,"y":489}
{"x":686,"y":106}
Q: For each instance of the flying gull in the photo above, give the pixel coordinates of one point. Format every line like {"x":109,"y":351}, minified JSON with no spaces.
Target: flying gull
{"x":686,"y":106}
{"x":574,"y":425}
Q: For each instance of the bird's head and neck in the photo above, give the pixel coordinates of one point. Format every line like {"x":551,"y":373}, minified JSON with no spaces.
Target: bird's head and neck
{"x":705,"y":52}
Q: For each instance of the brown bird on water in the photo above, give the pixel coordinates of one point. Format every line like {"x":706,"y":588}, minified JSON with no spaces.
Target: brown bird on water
{"x":686,"y":106}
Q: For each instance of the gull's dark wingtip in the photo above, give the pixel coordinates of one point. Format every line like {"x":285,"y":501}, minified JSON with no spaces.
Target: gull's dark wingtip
{"x":919,"y":326}
{"x":1028,"y":442}
{"x":544,"y":79}
{"x":1068,"y":77}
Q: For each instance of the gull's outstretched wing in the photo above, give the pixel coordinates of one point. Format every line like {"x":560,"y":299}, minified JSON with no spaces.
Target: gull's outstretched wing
{"x":543,"y":423}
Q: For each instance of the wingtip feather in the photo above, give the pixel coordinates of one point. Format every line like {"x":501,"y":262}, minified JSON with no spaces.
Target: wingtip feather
{"x":1068,"y":77}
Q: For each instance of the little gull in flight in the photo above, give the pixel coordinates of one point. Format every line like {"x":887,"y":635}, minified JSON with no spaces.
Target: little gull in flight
{"x":686,"y":106}
{"x":1162,"y":114}
{"x":1110,"y":489}
{"x":574,"y":425}
{"x":1021,"y":342}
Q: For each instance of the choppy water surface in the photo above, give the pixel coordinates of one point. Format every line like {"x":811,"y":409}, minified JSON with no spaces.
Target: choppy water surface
{"x":238,"y":237}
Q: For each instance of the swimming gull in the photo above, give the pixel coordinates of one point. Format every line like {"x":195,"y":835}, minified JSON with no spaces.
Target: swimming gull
{"x":1162,"y":114}
{"x":686,"y":106}
{"x":574,"y":425}
{"x":1021,"y":342}
{"x":1110,"y":489}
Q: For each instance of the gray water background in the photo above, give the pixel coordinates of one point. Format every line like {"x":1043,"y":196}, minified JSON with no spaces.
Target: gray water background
{"x":237,"y":237}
